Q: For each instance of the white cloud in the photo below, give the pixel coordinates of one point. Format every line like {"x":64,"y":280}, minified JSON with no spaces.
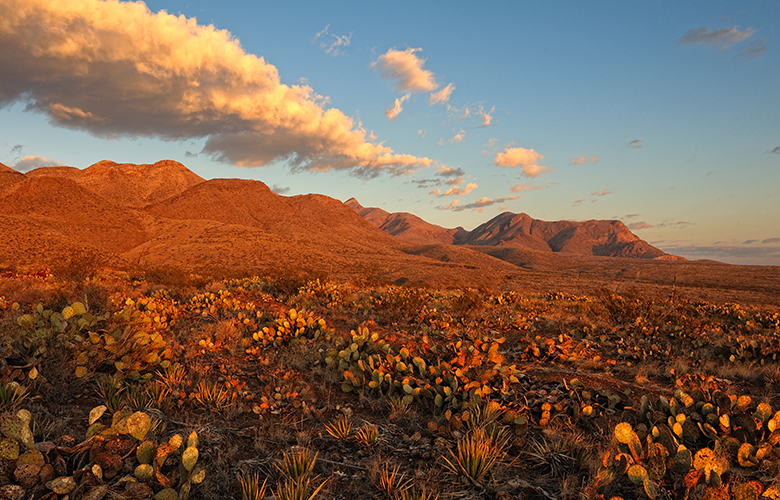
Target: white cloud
{"x":116,"y":68}
{"x":397,"y":107}
{"x":521,"y":157}
{"x":32,"y":162}
{"x":406,"y":69}
{"x":442,"y":96}
{"x":330,"y":43}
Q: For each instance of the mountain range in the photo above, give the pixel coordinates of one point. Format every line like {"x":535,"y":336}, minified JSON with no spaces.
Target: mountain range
{"x":163,"y":214}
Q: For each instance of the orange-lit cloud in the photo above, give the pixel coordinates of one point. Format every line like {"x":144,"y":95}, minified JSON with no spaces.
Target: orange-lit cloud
{"x":459,"y":137}
{"x":478,"y":205}
{"x":442,"y":96}
{"x":601,"y":193}
{"x":117,"y":69}
{"x":487,"y":118}
{"x":582,"y":159}
{"x":521,"y":157}
{"x":32,"y":162}
{"x":406,"y":69}
{"x":525,"y":187}
{"x":455,"y":190}
{"x":639,"y":225}
{"x":397,"y":107}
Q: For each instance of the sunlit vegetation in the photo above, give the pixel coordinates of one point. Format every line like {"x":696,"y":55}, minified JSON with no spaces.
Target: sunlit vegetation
{"x":134,"y":386}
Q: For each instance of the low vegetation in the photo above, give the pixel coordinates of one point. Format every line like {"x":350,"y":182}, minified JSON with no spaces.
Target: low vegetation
{"x":143,"y":385}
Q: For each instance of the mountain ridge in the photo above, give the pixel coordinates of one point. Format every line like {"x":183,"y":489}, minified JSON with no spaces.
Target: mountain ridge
{"x":600,"y":238}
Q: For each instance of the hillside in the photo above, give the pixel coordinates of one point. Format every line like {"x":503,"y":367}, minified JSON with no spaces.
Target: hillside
{"x":120,"y":214}
{"x":594,"y":237}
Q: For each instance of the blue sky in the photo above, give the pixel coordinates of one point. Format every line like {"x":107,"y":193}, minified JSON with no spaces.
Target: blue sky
{"x":665,"y":115}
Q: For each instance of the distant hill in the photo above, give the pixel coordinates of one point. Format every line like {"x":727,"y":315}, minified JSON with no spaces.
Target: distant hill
{"x":604,"y":238}
{"x":405,"y":226}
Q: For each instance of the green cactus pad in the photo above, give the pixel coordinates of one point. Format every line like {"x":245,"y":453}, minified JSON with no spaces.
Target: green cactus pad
{"x":637,"y":474}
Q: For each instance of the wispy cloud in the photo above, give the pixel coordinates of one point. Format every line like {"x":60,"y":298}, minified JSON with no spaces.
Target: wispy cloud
{"x":280,"y":189}
{"x":478,"y":205}
{"x":525,"y":187}
{"x":179,"y":80}
{"x":459,"y":137}
{"x":32,"y":162}
{"x":771,"y":240}
{"x":330,"y":43}
{"x":754,"y":49}
{"x":577,"y":202}
{"x":636,"y":143}
{"x":639,"y":225}
{"x":406,"y":69}
{"x":776,"y":150}
{"x":442,"y":96}
{"x":723,"y":38}
{"x":582,"y":159}
{"x":455,"y":190}
{"x":397,"y":107}
{"x":487,"y":117}
{"x":520,"y":157}
{"x":601,"y":193}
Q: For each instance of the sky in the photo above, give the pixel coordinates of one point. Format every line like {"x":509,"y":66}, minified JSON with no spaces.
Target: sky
{"x":665,"y":115}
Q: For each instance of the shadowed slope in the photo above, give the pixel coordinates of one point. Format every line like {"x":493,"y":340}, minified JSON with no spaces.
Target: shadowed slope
{"x":406,"y":226}
{"x":78,"y":215}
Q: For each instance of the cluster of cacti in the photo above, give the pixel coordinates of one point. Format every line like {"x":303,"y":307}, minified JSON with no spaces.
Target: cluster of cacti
{"x":701,"y":436}
{"x":100,"y":463}
{"x":291,"y":327}
{"x":444,"y":375}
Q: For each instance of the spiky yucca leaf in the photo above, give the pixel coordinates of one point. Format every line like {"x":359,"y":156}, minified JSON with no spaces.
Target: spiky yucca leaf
{"x":392,"y":484}
{"x":476,"y":457}
{"x":251,"y":489}
{"x":339,"y":429}
{"x":298,"y":464}
{"x":368,"y":435}
{"x":296,"y":490}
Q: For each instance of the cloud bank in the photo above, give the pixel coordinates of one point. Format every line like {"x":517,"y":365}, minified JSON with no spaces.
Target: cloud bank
{"x":520,"y":157}
{"x":117,"y":69}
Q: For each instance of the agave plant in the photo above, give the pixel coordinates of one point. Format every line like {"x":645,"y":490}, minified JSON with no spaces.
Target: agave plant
{"x":298,"y":464}
{"x":339,"y":429}
{"x":251,"y":489}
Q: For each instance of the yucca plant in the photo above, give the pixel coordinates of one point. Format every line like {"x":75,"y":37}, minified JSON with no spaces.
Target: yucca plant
{"x":296,"y":490}
{"x":298,"y":464}
{"x":415,"y":494}
{"x":368,"y":435}
{"x":12,"y":395}
{"x":212,"y":396}
{"x":476,"y":457}
{"x":173,"y":375}
{"x":340,"y":428}
{"x":392,"y":484}
{"x":559,"y":455}
{"x":399,"y":407}
{"x":111,"y":393}
{"x":251,"y":489}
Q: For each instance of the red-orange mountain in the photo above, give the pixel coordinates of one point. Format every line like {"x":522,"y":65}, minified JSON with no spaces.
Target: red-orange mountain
{"x":606,"y":238}
{"x":162,"y":214}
